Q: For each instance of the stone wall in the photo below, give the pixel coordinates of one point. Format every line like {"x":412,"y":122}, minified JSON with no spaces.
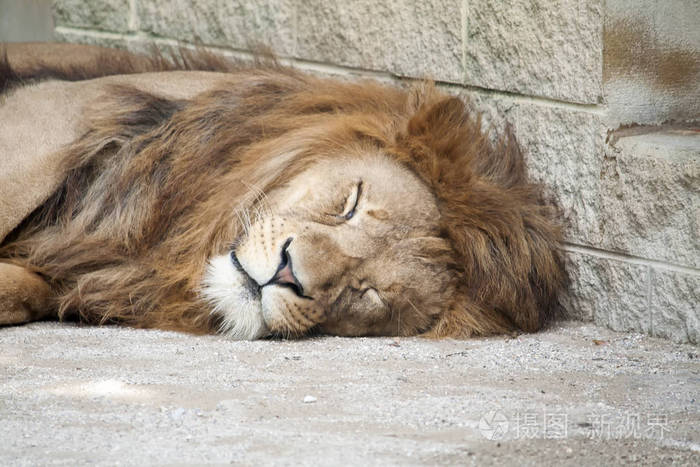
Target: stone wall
{"x":631,"y":201}
{"x":651,"y":60}
{"x":25,"y":20}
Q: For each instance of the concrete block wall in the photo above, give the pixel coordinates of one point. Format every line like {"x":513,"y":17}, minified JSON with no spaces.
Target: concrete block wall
{"x":652,"y":60}
{"x":25,"y":20}
{"x":631,"y":200}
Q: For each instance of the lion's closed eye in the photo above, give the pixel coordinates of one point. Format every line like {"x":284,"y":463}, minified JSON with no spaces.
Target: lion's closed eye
{"x":346,"y":209}
{"x":371,"y":295}
{"x":351,"y":202}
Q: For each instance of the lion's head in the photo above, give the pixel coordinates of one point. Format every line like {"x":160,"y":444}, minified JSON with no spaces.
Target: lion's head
{"x":351,"y":245}
{"x":394,"y":214}
{"x":279,"y":203}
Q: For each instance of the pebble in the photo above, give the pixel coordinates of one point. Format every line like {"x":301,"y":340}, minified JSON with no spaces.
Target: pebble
{"x":177,"y":414}
{"x":309,"y":399}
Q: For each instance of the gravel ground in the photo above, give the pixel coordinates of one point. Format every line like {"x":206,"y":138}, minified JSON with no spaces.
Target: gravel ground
{"x":575,"y":394}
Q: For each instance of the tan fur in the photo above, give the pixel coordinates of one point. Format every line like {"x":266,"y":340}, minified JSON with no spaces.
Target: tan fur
{"x":23,"y":294}
{"x":153,"y":186}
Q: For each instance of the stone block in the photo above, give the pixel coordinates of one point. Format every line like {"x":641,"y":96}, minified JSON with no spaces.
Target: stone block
{"x":237,"y":23}
{"x":612,"y":293}
{"x":564,"y":151}
{"x":105,"y":15}
{"x":651,"y":61}
{"x":650,"y":195}
{"x":408,"y":38}
{"x":675,"y":306}
{"x":26,"y":21}
{"x":550,"y":48}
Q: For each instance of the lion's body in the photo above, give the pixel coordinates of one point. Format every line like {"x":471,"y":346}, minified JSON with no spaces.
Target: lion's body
{"x":157,"y":172}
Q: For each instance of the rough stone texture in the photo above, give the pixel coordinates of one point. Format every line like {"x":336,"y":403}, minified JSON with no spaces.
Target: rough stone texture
{"x":540,"y":47}
{"x":585,"y":293}
{"x":125,"y":43}
{"x":651,"y":61}
{"x":564,"y":152}
{"x":105,"y":15}
{"x":650,"y":196}
{"x":26,"y":21}
{"x":417,"y":39}
{"x":613,"y":293}
{"x":675,"y":306}
{"x":573,"y":395}
{"x":239,"y":24}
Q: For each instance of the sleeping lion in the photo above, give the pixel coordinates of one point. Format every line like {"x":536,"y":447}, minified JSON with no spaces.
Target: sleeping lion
{"x":195,"y":194}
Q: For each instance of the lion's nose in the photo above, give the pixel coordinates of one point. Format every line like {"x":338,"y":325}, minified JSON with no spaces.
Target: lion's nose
{"x":285,"y":273}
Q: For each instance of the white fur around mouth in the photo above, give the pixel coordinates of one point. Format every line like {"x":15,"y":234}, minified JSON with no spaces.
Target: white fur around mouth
{"x":226,"y":290}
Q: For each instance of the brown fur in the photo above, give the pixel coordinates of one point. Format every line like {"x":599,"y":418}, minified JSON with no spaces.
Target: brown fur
{"x":23,"y":63}
{"x":150,"y":191}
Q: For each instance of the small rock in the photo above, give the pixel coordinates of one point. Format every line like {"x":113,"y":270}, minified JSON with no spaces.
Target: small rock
{"x":309,"y":399}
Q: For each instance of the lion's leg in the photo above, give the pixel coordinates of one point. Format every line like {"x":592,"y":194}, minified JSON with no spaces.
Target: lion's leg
{"x":24,"y":296}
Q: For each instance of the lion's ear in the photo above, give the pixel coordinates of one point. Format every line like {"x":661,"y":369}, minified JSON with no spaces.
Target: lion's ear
{"x":464,"y":319}
{"x":443,"y":126}
{"x":440,"y":117}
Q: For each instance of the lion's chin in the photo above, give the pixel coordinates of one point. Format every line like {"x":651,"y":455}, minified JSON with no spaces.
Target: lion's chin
{"x":227,"y":292}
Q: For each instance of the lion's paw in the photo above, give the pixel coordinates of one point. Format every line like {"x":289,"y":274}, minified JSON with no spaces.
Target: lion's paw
{"x":24,"y":296}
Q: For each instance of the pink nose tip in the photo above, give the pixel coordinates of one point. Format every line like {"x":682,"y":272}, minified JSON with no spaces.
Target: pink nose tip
{"x":285,"y":276}
{"x":285,"y":273}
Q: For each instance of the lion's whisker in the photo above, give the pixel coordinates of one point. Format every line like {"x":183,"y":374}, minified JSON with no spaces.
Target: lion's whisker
{"x":238,"y":214}
{"x":261,"y":201}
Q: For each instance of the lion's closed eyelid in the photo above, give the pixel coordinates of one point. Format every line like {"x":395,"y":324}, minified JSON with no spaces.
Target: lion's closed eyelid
{"x":366,"y":290}
{"x":345,"y":210}
{"x":370,"y":293}
{"x":352,"y":201}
